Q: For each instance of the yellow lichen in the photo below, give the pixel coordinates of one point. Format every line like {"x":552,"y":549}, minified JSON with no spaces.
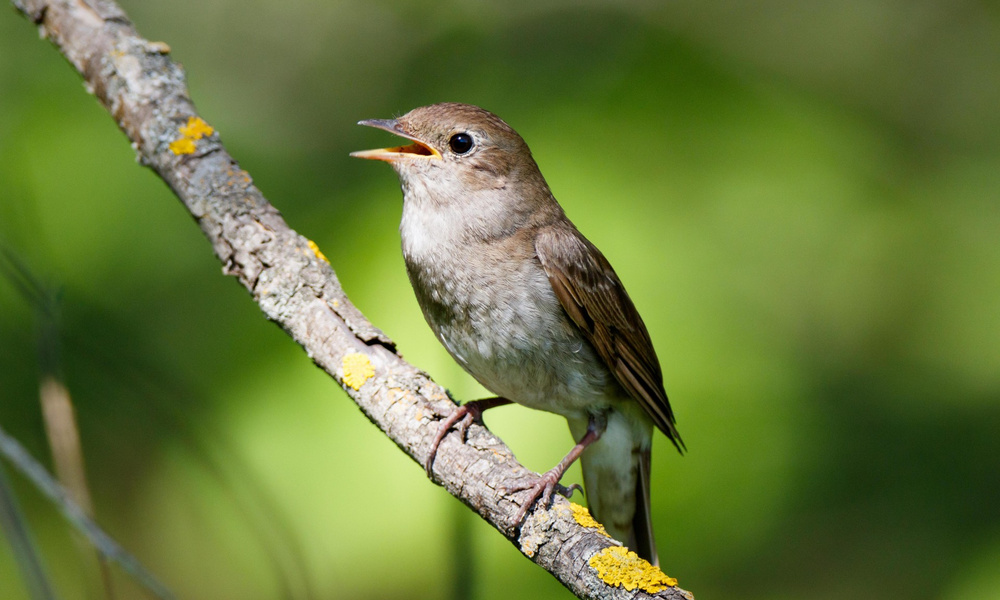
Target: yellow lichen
{"x":583,"y":517}
{"x":182,"y":146}
{"x":192,"y":131}
{"x":316,"y":251}
{"x":618,"y":566}
{"x":357,"y":370}
{"x":196,"y":128}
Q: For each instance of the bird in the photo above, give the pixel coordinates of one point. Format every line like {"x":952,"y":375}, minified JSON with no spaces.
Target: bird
{"x":529,"y":307}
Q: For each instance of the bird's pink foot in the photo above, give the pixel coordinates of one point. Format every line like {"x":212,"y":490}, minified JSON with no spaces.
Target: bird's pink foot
{"x":460,"y":419}
{"x":543,"y":486}
{"x":540,"y":490}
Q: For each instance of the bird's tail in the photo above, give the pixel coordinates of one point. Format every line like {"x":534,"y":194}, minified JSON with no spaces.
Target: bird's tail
{"x":642,"y":523}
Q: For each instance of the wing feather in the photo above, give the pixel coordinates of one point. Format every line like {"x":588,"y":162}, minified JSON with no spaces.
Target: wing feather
{"x":596,"y":301}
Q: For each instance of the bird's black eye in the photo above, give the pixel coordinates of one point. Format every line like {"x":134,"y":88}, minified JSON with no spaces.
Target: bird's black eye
{"x":460,"y":143}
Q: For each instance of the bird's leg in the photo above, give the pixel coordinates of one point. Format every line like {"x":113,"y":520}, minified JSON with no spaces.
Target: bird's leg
{"x":544,"y":485}
{"x":464,"y":415}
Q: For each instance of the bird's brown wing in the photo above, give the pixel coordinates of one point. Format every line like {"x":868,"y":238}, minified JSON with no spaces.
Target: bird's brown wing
{"x":596,"y":301}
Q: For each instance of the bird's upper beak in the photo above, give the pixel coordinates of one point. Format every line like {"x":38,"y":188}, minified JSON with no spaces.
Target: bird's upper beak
{"x":416,"y":149}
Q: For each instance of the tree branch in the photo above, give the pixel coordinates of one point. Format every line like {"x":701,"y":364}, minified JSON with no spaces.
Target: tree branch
{"x":296,"y":288}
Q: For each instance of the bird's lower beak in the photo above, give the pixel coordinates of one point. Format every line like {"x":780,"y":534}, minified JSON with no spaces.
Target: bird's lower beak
{"x":416,"y":149}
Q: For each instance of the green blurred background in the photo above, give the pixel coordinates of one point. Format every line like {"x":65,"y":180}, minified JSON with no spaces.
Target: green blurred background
{"x":801,"y":198}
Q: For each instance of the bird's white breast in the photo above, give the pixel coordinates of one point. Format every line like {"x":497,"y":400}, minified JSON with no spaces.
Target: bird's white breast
{"x":494,"y":311}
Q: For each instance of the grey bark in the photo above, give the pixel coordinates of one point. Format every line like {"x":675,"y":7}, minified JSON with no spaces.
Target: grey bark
{"x":145,"y":93}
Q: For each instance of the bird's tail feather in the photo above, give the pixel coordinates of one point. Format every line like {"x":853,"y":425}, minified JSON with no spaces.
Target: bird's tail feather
{"x":642,"y":523}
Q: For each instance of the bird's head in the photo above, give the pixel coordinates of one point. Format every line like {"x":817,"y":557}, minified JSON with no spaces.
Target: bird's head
{"x":456,"y":145}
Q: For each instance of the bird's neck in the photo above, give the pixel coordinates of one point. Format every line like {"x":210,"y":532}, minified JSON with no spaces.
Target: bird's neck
{"x":443,"y":217}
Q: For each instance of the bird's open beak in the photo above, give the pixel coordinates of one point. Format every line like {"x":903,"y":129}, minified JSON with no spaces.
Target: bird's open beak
{"x":416,"y":149}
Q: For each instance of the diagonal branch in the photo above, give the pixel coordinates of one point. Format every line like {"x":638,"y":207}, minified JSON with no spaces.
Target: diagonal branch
{"x":145,"y":92}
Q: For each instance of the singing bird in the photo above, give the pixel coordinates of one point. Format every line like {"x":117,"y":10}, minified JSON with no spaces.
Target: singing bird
{"x":528,"y":306}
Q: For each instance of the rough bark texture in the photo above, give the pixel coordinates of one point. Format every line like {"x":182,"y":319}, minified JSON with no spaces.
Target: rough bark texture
{"x":145,"y":92}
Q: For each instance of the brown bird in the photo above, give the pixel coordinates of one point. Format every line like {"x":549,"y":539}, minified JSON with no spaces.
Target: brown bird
{"x":528,"y":306}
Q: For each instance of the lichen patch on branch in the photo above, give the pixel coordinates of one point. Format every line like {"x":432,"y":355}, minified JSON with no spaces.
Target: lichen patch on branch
{"x":191,"y":132}
{"x":317,"y":252}
{"x":618,"y":566}
{"x":583,"y":517}
{"x":357,"y":370}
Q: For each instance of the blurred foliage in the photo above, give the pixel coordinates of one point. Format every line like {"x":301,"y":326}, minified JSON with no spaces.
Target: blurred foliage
{"x":801,"y":198}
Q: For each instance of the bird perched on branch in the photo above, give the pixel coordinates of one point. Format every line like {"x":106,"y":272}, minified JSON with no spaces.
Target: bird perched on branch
{"x":528,"y":306}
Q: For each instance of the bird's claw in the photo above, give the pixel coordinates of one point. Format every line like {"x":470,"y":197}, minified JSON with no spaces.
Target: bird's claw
{"x":540,"y":490}
{"x":567,"y":492}
{"x":463,"y":424}
{"x":462,"y":416}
